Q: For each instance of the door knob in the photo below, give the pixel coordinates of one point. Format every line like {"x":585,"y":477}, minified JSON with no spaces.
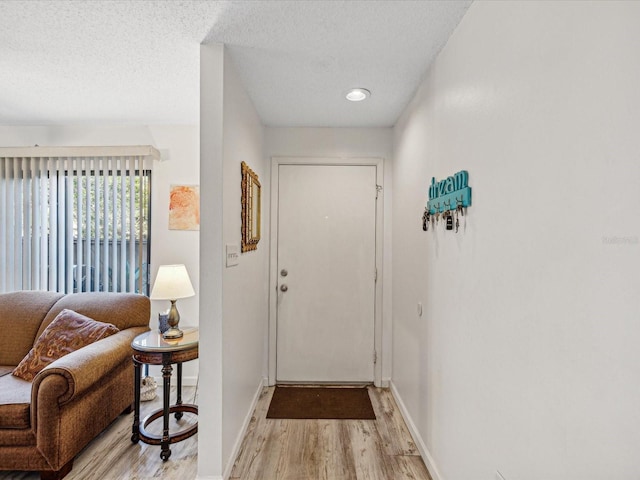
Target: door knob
{"x":283,"y":288}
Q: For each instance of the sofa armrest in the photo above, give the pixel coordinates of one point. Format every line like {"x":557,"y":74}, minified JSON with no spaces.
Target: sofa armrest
{"x":70,"y":376}
{"x":61,"y":395}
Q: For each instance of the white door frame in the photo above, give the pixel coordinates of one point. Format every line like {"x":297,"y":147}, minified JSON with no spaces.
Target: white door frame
{"x":273,"y":268}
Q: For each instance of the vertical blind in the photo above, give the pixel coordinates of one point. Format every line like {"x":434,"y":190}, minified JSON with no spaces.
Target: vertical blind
{"x":75,"y":222}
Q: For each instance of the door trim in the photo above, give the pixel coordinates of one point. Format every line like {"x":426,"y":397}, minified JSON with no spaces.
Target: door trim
{"x":273,"y":253}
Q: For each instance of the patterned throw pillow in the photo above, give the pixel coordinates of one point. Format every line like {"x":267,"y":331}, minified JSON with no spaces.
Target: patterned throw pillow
{"x":68,"y":332}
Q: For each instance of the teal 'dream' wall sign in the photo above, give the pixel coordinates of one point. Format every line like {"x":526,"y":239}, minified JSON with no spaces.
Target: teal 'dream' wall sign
{"x":450,"y":193}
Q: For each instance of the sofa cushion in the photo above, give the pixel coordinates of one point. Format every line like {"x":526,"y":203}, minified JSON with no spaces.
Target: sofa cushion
{"x":5,"y":369}
{"x":21,"y":313}
{"x":69,"y":332}
{"x":15,"y":400}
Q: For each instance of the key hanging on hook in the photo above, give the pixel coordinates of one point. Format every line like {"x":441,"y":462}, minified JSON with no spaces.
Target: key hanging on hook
{"x":459,"y":206}
{"x":449,"y":220}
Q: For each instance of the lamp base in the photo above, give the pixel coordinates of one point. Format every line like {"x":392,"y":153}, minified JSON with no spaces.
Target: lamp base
{"x":172,"y":333}
{"x":173,"y":319}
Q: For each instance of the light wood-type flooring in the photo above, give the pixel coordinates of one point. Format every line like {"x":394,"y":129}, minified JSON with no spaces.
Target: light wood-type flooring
{"x":380,"y":449}
{"x":112,"y":456}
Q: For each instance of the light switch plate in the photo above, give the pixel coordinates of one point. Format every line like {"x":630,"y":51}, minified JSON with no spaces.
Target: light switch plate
{"x":233,"y":255}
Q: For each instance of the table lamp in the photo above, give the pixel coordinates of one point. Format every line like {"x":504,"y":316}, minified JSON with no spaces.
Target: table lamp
{"x":172,"y":282}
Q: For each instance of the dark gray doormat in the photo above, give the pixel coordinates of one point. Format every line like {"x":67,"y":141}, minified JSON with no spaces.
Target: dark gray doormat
{"x":321,"y":403}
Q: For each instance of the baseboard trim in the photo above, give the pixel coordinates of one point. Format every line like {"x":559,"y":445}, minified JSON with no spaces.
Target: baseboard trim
{"x":186,"y":381}
{"x":243,"y":430}
{"x":417,"y":438}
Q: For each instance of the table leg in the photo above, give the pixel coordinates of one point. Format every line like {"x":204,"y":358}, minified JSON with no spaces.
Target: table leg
{"x":166,"y":387}
{"x":135,"y":430}
{"x":178,"y":415}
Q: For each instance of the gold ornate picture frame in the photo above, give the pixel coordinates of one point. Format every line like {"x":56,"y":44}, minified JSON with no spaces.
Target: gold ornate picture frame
{"x":250,"y":209}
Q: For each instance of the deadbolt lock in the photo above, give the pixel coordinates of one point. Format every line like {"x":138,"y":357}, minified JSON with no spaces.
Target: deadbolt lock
{"x":284,"y":272}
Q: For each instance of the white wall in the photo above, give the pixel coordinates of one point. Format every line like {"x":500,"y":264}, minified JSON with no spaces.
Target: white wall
{"x":211,"y":239}
{"x":526,"y":358}
{"x":235,"y":298}
{"x":245,"y":286}
{"x":178,"y":145}
{"x":345,"y":143}
{"x":180,"y":165}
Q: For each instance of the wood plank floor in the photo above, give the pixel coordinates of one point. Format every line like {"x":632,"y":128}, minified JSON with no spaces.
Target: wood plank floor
{"x":112,"y":456}
{"x":271,"y":449}
{"x":380,"y":449}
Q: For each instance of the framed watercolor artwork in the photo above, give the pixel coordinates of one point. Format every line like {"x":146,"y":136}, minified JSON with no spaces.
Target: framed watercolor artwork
{"x":184,"y":207}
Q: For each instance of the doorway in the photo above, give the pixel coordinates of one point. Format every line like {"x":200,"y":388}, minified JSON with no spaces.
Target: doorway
{"x":324,"y":271}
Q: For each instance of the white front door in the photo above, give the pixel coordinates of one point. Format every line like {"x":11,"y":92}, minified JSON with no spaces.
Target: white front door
{"x":326,"y":257}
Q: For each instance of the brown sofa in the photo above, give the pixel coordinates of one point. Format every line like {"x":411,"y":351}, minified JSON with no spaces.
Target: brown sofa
{"x":46,"y":422}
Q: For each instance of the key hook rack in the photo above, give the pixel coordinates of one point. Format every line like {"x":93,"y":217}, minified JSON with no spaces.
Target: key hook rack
{"x":449,"y":194}
{"x":447,"y":198}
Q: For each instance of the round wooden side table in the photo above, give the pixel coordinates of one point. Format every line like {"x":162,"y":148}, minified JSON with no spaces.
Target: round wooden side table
{"x":151,"y":349}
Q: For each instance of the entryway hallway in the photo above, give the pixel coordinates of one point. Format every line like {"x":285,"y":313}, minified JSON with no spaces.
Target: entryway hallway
{"x":380,"y":449}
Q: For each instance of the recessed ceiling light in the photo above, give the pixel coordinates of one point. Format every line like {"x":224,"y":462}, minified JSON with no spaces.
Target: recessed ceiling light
{"x":358,"y":94}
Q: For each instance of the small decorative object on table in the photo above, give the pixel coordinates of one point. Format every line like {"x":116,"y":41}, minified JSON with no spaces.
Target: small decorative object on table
{"x":163,"y":322}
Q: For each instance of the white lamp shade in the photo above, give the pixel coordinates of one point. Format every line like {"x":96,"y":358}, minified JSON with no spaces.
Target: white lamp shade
{"x":172,"y":283}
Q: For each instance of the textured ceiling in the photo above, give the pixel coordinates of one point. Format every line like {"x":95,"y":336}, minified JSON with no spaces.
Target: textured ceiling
{"x":132,"y":62}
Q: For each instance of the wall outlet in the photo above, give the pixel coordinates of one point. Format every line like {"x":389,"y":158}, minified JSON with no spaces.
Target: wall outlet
{"x":499,"y":476}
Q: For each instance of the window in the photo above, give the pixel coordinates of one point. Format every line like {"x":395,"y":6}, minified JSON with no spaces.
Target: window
{"x":75,"y":223}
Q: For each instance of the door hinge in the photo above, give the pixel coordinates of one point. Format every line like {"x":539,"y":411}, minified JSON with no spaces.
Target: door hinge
{"x":378,"y":190}
{"x":375,"y":357}
{"x":375,"y":275}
